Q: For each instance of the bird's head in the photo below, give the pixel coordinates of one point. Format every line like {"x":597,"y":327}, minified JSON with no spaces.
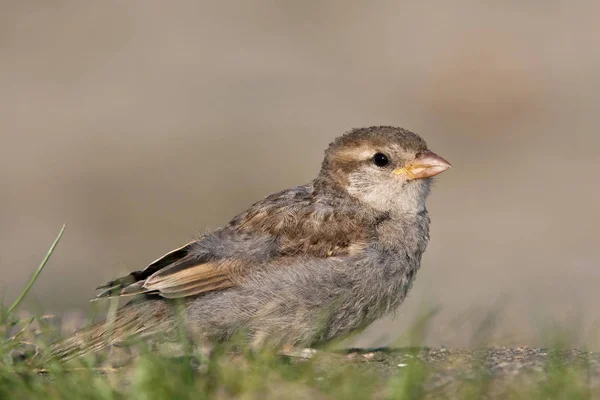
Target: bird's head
{"x":387,"y":168}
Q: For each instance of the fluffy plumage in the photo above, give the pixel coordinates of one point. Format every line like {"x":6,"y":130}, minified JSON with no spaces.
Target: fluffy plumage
{"x":300,"y":267}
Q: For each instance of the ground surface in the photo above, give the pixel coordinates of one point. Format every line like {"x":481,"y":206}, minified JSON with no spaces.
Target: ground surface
{"x":402,"y":373}
{"x":521,"y":372}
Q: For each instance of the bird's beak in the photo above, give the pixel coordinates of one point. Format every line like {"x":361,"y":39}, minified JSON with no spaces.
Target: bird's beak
{"x":426,"y":165}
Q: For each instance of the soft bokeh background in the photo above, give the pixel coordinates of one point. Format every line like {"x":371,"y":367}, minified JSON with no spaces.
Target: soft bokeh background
{"x":143,"y":122}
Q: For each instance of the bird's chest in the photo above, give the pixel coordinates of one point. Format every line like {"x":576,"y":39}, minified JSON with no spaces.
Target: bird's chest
{"x":394,"y":263}
{"x":407,"y":236}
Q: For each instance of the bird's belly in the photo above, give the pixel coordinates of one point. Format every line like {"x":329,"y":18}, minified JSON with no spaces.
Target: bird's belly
{"x":332,"y":307}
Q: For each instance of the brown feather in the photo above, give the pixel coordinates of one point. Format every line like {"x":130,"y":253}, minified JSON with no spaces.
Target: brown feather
{"x":196,"y":288}
{"x":300,"y":222}
{"x":176,"y":277}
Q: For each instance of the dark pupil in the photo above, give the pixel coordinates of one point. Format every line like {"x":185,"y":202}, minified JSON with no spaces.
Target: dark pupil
{"x":381,"y":160}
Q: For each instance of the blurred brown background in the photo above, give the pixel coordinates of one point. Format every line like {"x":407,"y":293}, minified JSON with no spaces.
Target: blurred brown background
{"x":143,"y":122}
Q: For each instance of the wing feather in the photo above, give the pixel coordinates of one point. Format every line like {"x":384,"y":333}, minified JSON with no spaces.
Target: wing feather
{"x":179,"y":276}
{"x":295,"y":222}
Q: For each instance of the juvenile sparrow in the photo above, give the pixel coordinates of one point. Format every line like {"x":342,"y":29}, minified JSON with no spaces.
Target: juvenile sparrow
{"x":300,"y":267}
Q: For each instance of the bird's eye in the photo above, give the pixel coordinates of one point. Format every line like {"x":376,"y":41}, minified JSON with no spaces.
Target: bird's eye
{"x":381,"y":160}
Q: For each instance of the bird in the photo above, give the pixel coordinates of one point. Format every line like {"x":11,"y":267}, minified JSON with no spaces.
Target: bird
{"x":297,"y":269}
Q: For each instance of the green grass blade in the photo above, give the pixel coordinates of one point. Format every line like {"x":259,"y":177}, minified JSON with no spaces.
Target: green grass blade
{"x":35,"y":275}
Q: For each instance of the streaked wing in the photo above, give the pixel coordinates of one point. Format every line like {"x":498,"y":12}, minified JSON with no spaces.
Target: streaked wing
{"x":287,"y":224}
{"x":177,"y":274}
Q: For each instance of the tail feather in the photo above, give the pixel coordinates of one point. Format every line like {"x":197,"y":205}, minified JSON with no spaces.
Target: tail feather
{"x":136,"y":319}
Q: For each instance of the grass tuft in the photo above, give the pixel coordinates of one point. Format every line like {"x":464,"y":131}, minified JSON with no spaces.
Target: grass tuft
{"x":231,"y":372}
{"x":34,"y":277}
